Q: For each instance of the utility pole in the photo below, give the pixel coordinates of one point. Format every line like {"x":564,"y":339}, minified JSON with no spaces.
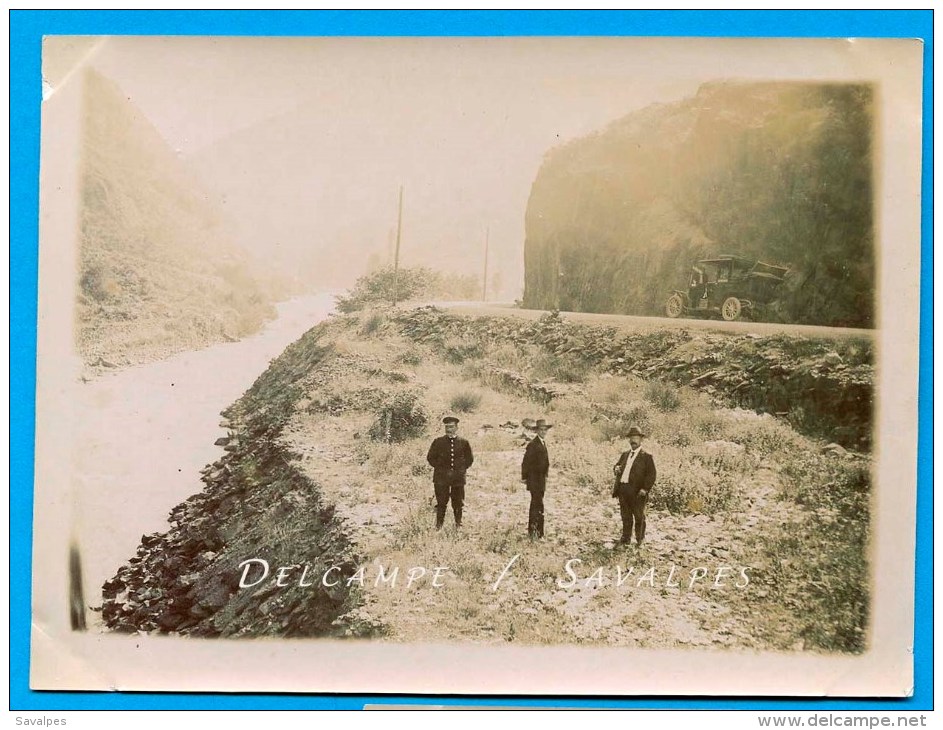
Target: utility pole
{"x":399,"y":229}
{"x":484,"y":279}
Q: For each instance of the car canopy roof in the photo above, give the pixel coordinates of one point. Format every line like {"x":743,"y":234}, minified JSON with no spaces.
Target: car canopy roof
{"x":751,"y":265}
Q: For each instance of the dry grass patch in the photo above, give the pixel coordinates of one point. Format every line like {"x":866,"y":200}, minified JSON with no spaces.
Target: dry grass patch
{"x":665,"y":397}
{"x":497,"y":440}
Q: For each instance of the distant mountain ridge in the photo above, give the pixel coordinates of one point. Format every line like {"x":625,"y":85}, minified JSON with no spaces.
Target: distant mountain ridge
{"x":774,"y":171}
{"x":157,"y":272}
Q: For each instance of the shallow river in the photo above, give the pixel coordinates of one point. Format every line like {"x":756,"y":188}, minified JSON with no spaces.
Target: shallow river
{"x":145,"y":433}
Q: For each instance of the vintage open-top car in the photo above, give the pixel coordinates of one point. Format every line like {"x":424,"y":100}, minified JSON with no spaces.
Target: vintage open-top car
{"x":730,"y":286}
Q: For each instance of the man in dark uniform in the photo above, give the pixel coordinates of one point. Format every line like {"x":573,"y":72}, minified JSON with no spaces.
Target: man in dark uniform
{"x":534,"y":469}
{"x":634,"y":478}
{"x":449,"y":456}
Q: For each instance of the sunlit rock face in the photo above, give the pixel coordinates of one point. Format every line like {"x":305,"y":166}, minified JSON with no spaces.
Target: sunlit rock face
{"x":157,"y":272}
{"x":775,"y":171}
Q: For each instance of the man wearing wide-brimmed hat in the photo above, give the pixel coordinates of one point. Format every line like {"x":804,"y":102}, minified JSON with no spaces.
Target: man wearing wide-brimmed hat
{"x":449,"y":456}
{"x":634,"y":478}
{"x":534,"y":470}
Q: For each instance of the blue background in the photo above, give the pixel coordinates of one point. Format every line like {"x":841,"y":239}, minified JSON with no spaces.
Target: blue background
{"x":26,"y":31}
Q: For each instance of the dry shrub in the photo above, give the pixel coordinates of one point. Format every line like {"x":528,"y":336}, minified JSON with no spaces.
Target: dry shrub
{"x":686,"y":485}
{"x":372,"y":323}
{"x":826,"y":552}
{"x":584,"y":462}
{"x":501,"y":539}
{"x":400,"y":418}
{"x":405,"y":459}
{"x":616,"y":424}
{"x":413,"y":529}
{"x":465,"y":401}
{"x":611,"y":390}
{"x":709,"y":425}
{"x":765,"y":435}
{"x":561,"y":368}
{"x":607,"y":429}
{"x":726,"y":460}
{"x":513,"y":357}
{"x":99,"y":283}
{"x":497,"y":441}
{"x":458,"y":350}
{"x":666,"y":397}
{"x":412,"y":356}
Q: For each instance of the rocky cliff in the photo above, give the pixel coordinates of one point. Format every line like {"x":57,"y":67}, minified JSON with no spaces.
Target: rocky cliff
{"x":157,"y":273}
{"x":775,"y":171}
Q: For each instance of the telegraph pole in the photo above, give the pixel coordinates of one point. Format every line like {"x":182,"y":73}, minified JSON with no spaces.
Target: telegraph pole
{"x":399,"y":229}
{"x":484,"y":279}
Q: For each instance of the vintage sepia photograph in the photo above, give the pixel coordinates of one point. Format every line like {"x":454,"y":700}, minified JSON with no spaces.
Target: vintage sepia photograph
{"x":477,"y":365}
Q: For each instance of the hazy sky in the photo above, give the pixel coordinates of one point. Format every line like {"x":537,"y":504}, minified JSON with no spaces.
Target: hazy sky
{"x":306,"y":141}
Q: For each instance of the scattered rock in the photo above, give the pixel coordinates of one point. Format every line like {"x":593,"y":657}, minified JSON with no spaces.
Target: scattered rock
{"x":834,"y":450}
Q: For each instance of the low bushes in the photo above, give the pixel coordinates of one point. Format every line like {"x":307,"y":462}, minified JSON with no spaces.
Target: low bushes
{"x":400,"y":418}
{"x":385,"y":285}
{"x":564,"y":369}
{"x":664,"y":396}
{"x":823,"y":559}
{"x":688,"y":485}
{"x":459,"y":350}
{"x":372,"y":323}
{"x":466,"y":401}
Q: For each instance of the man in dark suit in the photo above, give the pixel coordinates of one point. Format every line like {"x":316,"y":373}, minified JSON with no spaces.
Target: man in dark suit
{"x":449,"y":456}
{"x":634,"y":478}
{"x":534,"y":470}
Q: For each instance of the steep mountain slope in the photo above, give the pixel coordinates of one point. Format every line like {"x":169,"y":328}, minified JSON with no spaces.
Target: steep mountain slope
{"x":777,"y":171}
{"x":157,"y":273}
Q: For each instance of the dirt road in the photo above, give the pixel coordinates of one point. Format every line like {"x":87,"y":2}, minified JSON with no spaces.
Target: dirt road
{"x":635,"y":323}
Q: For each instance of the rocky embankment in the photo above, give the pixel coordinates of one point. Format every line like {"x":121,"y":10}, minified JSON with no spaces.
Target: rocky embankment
{"x":325,"y":476}
{"x":823,"y":387}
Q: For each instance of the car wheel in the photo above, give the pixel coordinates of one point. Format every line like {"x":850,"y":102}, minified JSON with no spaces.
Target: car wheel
{"x":674,"y":306}
{"x":731,"y":309}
